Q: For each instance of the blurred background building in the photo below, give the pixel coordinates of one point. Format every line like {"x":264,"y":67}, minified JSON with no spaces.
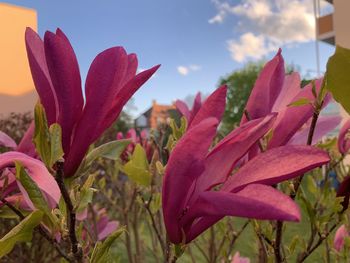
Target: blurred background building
{"x":16,"y":86}
{"x":333,"y":27}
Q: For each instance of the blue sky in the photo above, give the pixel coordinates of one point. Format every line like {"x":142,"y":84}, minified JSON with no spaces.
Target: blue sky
{"x":195,"y":35}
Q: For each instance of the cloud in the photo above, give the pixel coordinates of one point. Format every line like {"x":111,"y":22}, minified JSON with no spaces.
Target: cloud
{"x":185,"y":70}
{"x":249,"y":46}
{"x":268,"y":24}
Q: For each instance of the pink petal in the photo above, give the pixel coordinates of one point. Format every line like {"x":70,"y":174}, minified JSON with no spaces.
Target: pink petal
{"x":26,"y":145}
{"x":344,"y":191}
{"x":131,"y":134}
{"x":197,"y":104}
{"x":125,"y":94}
{"x":65,"y":76}
{"x":40,"y":74}
{"x":183,"y":109}
{"x":104,"y":78}
{"x":291,"y":87}
{"x":184,"y":166}
{"x":339,"y":238}
{"x":343,"y":142}
{"x":238,"y":259}
{"x":266,"y":89}
{"x":228,"y":151}
{"x":108,"y":229}
{"x":324,"y":125}
{"x":276,"y":165}
{"x":291,"y":119}
{"x":254,"y":201}
{"x":7,"y":141}
{"x":120,"y":136}
{"x":132,"y":68}
{"x":36,"y":170}
{"x":214,"y":106}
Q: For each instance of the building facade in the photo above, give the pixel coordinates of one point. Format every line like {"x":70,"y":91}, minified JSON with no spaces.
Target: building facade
{"x":17,"y":93}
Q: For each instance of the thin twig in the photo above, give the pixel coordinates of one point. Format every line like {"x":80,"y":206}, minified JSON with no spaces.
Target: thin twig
{"x":75,"y":247}
{"x":154,"y":225}
{"x":40,"y":230}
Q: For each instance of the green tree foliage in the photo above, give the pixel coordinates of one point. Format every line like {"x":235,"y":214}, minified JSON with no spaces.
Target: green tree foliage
{"x":240,"y":84}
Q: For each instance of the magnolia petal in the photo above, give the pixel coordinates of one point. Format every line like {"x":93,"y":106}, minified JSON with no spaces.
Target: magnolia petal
{"x":132,"y":68}
{"x":183,"y":109}
{"x":213,"y":106}
{"x":291,"y":87}
{"x":238,"y":259}
{"x":40,"y":74}
{"x":184,"y":166}
{"x":343,"y":141}
{"x":125,"y":94}
{"x":65,"y":76}
{"x":103,"y":80}
{"x":227,"y":152}
{"x":276,"y":165}
{"x":324,"y":125}
{"x":7,"y":141}
{"x":199,"y":226}
{"x":197,"y":104}
{"x":26,"y":145}
{"x":109,"y":228}
{"x":266,"y":89}
{"x":291,"y":119}
{"x":36,"y":169}
{"x":17,"y":200}
{"x":254,"y":201}
{"x":339,"y":238}
{"x":344,"y":190}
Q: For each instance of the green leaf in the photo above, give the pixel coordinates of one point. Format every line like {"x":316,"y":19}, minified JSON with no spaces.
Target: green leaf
{"x":137,"y":168}
{"x":31,"y":188}
{"x":338,"y":76}
{"x":35,"y":195}
{"x":300,"y":102}
{"x":42,"y":134}
{"x":86,"y":193}
{"x":101,"y":250}
{"x":56,"y":143}
{"x":20,"y":233}
{"x":156,"y":202}
{"x":111,"y":150}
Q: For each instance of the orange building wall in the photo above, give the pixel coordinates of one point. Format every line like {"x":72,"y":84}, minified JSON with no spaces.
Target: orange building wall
{"x":15,"y":78}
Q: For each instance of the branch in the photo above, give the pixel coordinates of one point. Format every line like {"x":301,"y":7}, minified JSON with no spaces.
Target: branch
{"x":40,"y":230}
{"x":75,"y":246}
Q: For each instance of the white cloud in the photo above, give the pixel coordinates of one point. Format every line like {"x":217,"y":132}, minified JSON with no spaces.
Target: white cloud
{"x":249,"y":46}
{"x":185,"y":70}
{"x":268,"y":23}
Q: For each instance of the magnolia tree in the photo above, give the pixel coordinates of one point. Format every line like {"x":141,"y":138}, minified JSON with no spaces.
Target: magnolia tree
{"x":275,"y":189}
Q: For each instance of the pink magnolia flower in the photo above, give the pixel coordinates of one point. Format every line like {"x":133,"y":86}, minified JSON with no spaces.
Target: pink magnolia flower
{"x":7,"y":141}
{"x":273,"y":92}
{"x":15,"y":192}
{"x":142,"y":139}
{"x":213,"y":106}
{"x":238,"y":259}
{"x":343,"y":139}
{"x":198,"y":190}
{"x":339,"y":238}
{"x":104,"y":226}
{"x":110,"y":83}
